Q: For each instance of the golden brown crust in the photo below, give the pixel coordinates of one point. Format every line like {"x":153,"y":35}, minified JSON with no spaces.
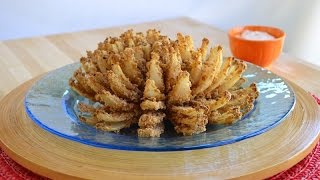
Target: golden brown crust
{"x":151,"y":119}
{"x":208,"y":72}
{"x":152,"y":105}
{"x":151,"y":124}
{"x":181,"y":91}
{"x":81,"y":90}
{"x":151,"y":132}
{"x":142,"y":79}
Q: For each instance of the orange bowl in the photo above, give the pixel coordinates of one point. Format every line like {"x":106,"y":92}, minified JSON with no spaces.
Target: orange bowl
{"x":260,"y":52}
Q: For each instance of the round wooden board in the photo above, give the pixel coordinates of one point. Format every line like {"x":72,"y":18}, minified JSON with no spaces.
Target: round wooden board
{"x":258,"y":157}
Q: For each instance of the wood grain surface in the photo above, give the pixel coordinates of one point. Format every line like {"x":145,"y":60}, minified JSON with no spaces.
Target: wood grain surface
{"x":257,"y":157}
{"x":23,"y":59}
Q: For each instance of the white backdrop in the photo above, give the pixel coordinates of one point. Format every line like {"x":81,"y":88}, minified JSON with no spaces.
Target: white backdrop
{"x":300,"y":19}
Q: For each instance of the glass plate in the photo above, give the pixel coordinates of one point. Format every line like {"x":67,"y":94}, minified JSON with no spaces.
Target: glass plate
{"x":52,"y":105}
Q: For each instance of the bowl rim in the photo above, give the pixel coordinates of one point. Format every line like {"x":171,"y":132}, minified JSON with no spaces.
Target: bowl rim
{"x":260,"y":26}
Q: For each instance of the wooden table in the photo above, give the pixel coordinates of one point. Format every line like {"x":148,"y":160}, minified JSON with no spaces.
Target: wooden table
{"x":24,"y":59}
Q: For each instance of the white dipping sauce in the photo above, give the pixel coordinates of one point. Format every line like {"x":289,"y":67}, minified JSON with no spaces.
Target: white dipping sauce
{"x":256,"y":35}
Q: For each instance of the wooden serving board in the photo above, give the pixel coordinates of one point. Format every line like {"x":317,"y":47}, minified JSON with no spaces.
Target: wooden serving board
{"x":58,"y":158}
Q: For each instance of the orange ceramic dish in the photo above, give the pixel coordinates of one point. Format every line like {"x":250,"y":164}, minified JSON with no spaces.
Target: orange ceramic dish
{"x":259,"y":52}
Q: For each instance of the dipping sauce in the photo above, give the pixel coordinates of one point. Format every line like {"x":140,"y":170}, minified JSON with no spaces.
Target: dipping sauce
{"x":256,"y":35}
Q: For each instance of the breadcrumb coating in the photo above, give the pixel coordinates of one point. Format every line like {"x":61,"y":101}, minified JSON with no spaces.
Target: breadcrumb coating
{"x":148,"y":78}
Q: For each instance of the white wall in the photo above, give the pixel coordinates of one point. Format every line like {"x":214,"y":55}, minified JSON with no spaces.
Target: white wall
{"x":300,"y":19}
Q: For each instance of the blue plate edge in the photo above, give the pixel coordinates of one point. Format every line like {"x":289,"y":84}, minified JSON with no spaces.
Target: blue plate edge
{"x":164,"y":149}
{"x":161,"y":149}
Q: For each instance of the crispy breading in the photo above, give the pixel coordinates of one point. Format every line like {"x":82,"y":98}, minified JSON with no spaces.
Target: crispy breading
{"x":101,"y":59}
{"x":184,"y":49}
{"x":81,"y":90}
{"x":87,"y":65}
{"x":151,"y":132}
{"x":155,"y":72}
{"x":189,"y":120}
{"x":196,"y":128}
{"x":113,"y":102}
{"x":82,"y":81}
{"x":142,"y":79}
{"x":151,"y":92}
{"x":229,"y":116}
{"x":102,"y":115}
{"x":113,"y":126}
{"x":151,"y":124}
{"x":173,"y":70}
{"x":233,"y":76}
{"x":209,"y":70}
{"x":181,"y":91}
{"x":204,"y":48}
{"x":151,"y":120}
{"x":94,"y":83}
{"x":238,"y":84}
{"x":123,"y":79}
{"x":130,"y":67}
{"x":152,"y":35}
{"x":252,"y":90}
{"x":120,"y":89}
{"x":222,"y":100}
{"x":196,"y":67}
{"x":86,"y":108}
{"x":221,"y":75}
{"x":89,"y":120}
{"x":188,"y":111}
{"x":152,"y":105}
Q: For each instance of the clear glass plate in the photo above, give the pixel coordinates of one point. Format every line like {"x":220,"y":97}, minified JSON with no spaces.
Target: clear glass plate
{"x":52,"y":105}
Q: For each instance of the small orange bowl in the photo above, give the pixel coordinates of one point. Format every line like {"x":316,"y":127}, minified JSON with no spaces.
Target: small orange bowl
{"x":260,"y":52}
